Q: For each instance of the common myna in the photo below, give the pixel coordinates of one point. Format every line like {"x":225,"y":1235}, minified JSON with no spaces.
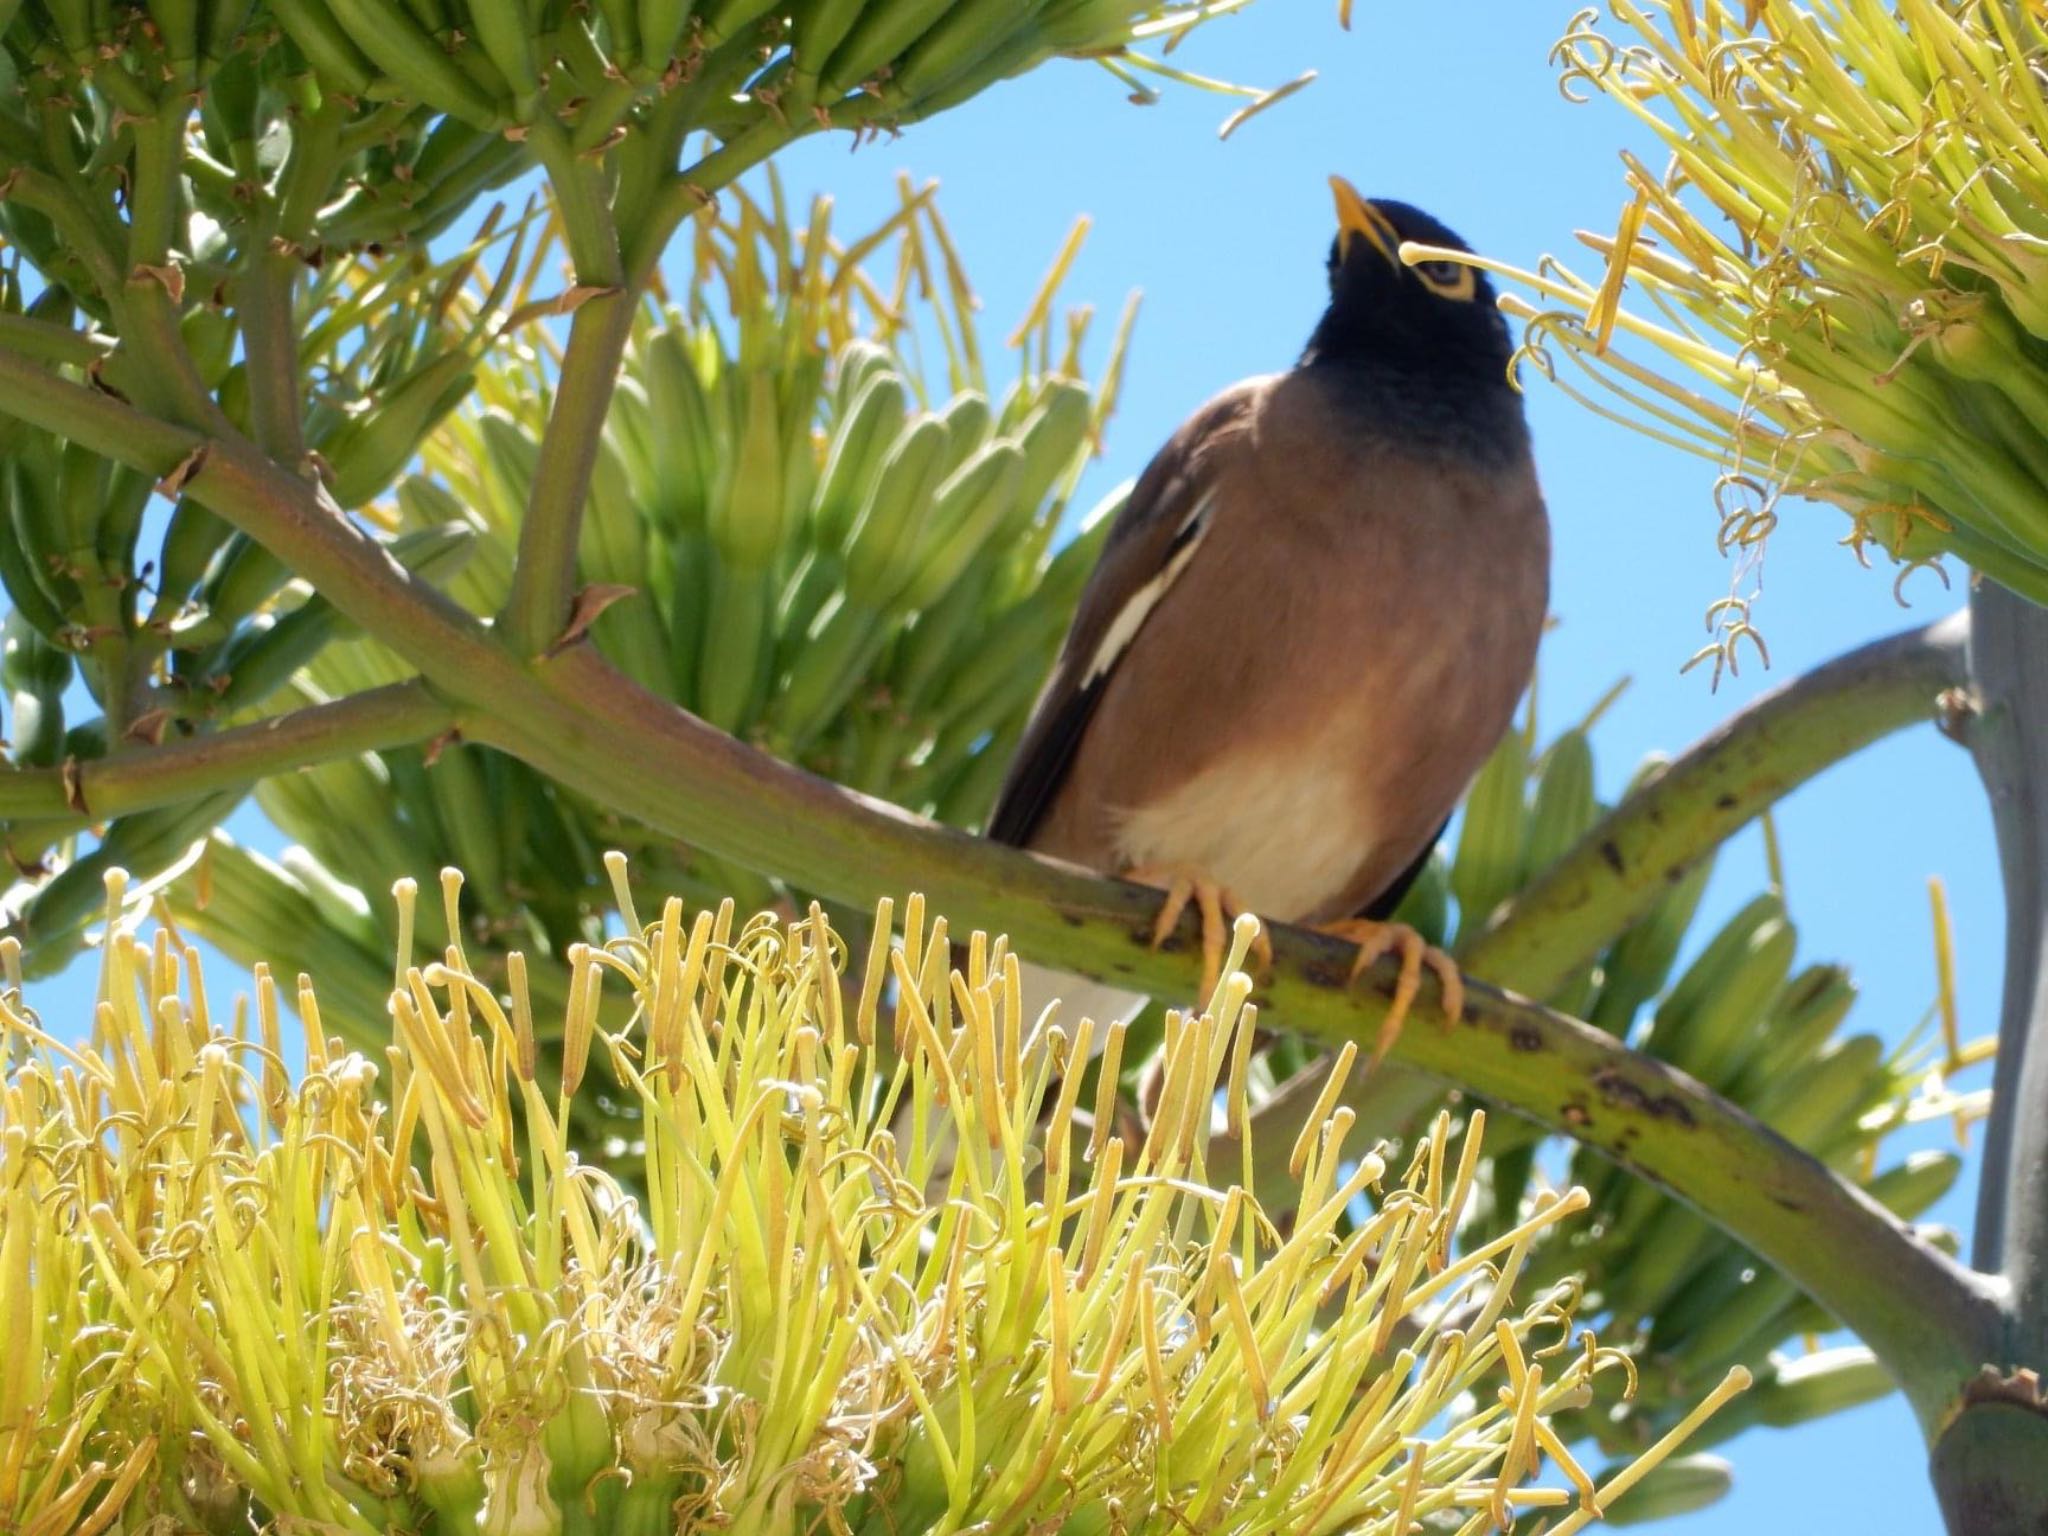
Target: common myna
{"x":1311,"y":621}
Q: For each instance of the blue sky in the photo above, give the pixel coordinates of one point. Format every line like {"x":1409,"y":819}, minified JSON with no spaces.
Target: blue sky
{"x":1454,"y":108}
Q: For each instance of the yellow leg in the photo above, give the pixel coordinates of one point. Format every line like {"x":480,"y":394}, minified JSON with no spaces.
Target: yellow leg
{"x":1377,"y":939}
{"x":1217,"y":906}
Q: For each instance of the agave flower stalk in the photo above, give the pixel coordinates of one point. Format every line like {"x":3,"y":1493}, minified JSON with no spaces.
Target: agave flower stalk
{"x":578,"y":720}
{"x":407,"y":1306}
{"x":568,"y":713}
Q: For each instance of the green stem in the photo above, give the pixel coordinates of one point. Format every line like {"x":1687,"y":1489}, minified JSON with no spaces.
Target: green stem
{"x":308,"y":179}
{"x":575,"y":718}
{"x":391,"y":716}
{"x":543,"y":580}
{"x":215,"y":186}
{"x":2009,"y":738}
{"x":149,"y":332}
{"x":585,"y":211}
{"x":1617,"y":870}
{"x":153,"y":205}
{"x":111,"y":652}
{"x":263,"y":298}
{"x":117,"y":82}
{"x":647,"y":159}
{"x":74,"y":224}
{"x":48,"y":342}
{"x":644,"y":161}
{"x":147,"y":309}
{"x":270,"y":346}
{"x":374,"y":127}
{"x":683,"y":194}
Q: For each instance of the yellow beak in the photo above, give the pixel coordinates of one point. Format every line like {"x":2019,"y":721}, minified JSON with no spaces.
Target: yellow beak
{"x":1357,"y":219}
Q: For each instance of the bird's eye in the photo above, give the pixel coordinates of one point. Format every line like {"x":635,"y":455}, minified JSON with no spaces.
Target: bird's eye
{"x":1448,"y":279}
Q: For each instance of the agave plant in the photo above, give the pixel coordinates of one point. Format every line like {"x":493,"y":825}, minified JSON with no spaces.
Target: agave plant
{"x":863,"y":628}
{"x":889,"y":694}
{"x":194,"y":194}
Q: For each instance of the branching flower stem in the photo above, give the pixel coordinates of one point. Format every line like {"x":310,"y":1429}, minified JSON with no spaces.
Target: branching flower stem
{"x":1709,"y":793}
{"x":102,"y":788}
{"x":1990,"y":1459}
{"x":544,"y":577}
{"x":543,"y":580}
{"x":2009,"y":737}
{"x":614,"y":256}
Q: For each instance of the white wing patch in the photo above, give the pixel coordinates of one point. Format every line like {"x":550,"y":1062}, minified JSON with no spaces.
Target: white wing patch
{"x":1123,"y":629}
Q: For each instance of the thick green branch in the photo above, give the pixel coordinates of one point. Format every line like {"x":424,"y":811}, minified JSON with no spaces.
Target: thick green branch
{"x":1704,"y":797}
{"x":233,"y":759}
{"x":2009,"y":736}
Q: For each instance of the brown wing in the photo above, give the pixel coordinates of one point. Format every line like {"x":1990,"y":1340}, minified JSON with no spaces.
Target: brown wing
{"x":1149,"y":544}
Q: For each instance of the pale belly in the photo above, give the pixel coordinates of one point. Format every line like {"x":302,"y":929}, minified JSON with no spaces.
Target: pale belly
{"x":1284,"y":836}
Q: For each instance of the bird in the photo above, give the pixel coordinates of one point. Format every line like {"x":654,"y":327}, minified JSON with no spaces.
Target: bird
{"x":1310,"y":622}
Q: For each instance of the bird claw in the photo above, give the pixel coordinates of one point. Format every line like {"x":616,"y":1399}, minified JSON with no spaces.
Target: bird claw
{"x":1375,"y":939}
{"x":1217,"y":906}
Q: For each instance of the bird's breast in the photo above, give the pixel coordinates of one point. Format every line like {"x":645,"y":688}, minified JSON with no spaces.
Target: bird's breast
{"x":1283,"y":833}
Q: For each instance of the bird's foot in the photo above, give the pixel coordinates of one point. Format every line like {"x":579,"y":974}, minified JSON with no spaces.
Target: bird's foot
{"x":1375,"y":939}
{"x":1217,"y":906}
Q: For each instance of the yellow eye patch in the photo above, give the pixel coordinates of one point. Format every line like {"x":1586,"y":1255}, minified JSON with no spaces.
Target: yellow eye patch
{"x":1448,"y":279}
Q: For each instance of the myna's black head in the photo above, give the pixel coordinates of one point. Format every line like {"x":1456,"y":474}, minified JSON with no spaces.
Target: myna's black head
{"x":1433,"y":318}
